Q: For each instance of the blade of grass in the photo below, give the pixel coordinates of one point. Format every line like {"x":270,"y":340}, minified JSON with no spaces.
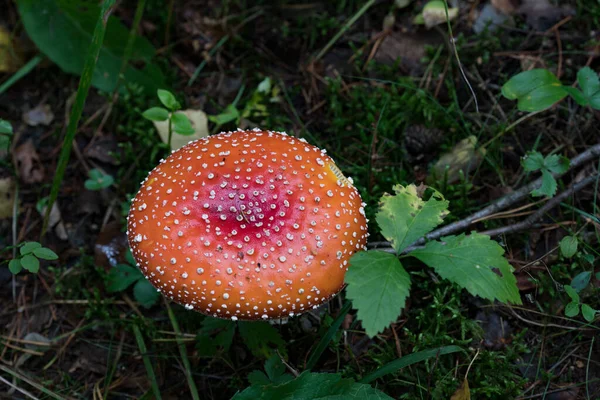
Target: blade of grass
{"x":325,"y":340}
{"x":183,"y":352}
{"x":409,"y":360}
{"x":82,"y":92}
{"x":149,"y":370}
{"x":24,"y":70}
{"x":31,"y":382}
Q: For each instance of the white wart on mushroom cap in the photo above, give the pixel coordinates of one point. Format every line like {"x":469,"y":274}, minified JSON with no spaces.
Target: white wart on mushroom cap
{"x":247,"y":225}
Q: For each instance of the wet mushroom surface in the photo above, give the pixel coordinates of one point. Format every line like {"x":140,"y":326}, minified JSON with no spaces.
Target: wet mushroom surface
{"x":247,"y":225}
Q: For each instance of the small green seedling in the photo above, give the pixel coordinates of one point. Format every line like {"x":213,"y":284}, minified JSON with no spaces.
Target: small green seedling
{"x":98,"y":180}
{"x":534,"y":161}
{"x":29,"y":257}
{"x":572,"y":309}
{"x":178,"y":122}
{"x":6,"y":132}
{"x":539,"y":89}
{"x":124,"y":275}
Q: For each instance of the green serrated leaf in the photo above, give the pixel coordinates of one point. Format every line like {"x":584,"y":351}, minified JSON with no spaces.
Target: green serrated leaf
{"x":572,"y":293}
{"x":474,"y":262}
{"x":15,"y":266}
{"x":568,"y":246}
{"x":581,"y":281}
{"x":405,"y":217}
{"x":313,"y":386}
{"x":588,"y":312}
{"x":182,"y":124}
{"x":156,"y":114}
{"x":168,"y":99}
{"x":525,"y":82}
{"x":145,"y":294}
{"x":30,"y":263}
{"x":577,"y":95}
{"x":556,"y":164}
{"x":588,"y":81}
{"x":5,"y":127}
{"x":542,"y":98}
{"x":28,"y":248}
{"x":45,"y":253}
{"x":548,"y":187}
{"x":572,"y":309}
{"x":532,"y":161}
{"x":63,"y":31}
{"x":261,"y":338}
{"x":258,"y":378}
{"x":378,"y":286}
{"x":121,"y":277}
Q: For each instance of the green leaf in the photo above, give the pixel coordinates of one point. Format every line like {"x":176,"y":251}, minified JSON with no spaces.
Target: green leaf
{"x":405,"y":217}
{"x":224,"y":330}
{"x":588,"y":312}
{"x":29,"y":247}
{"x":572,"y":293}
{"x":30,"y":263}
{"x":581,"y":281}
{"x":588,"y":81}
{"x":45,"y":253}
{"x":474,"y":262}
{"x":313,"y":386}
{"x":577,"y":95}
{"x":168,"y":100}
{"x":525,"y":82}
{"x":556,"y":164}
{"x":407,"y":360}
{"x":261,"y":338}
{"x":276,"y":370}
{"x":182,"y":124}
{"x":5,"y":127}
{"x":595,"y":101}
{"x":145,"y":293}
{"x":258,"y":378}
{"x":572,"y":309}
{"x":121,"y":277}
{"x":378,"y":286}
{"x":230,"y":114}
{"x":532,"y":161}
{"x":156,"y":114}
{"x":14,"y":266}
{"x":63,"y":31}
{"x":568,"y":246}
{"x":98,"y":180}
{"x":542,"y":98}
{"x":548,"y":187}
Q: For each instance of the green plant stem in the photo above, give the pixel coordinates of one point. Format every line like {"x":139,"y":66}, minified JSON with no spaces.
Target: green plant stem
{"x":149,"y":370}
{"x":170,"y":133}
{"x":183,"y":352}
{"x":344,"y":28}
{"x":316,"y":354}
{"x":24,"y":70}
{"x":77,"y":110}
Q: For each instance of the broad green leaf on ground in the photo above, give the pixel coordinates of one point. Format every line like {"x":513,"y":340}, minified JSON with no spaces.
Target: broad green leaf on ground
{"x":568,"y":246}
{"x":556,"y":164}
{"x":404,"y":217}
{"x":474,"y":262}
{"x":378,"y":286}
{"x":63,"y":31}
{"x":572,"y":309}
{"x":542,"y":98}
{"x":121,"y":277}
{"x":533,"y":161}
{"x":145,"y":294}
{"x":548,"y":187}
{"x":588,"y":312}
{"x":525,"y":82}
{"x":313,"y":386}
{"x":262,"y":338}
{"x":581,"y":281}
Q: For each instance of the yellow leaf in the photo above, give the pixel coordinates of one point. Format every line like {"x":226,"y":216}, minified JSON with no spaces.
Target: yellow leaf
{"x":463,"y":392}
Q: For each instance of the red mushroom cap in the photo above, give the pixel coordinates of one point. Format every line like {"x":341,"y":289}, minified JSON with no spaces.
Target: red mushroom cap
{"x":247,"y":225}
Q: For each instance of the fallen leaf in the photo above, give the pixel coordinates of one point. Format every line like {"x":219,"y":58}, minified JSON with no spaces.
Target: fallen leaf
{"x":7,"y":197}
{"x":463,"y":392}
{"x":29,"y":166}
{"x":463,"y":157}
{"x":40,"y":115}
{"x":199,"y":122}
{"x":434,"y":13}
{"x":55,"y":221}
{"x":11,"y":56}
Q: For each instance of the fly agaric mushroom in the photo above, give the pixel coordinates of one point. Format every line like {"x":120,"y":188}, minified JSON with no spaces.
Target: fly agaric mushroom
{"x":247,"y":225}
